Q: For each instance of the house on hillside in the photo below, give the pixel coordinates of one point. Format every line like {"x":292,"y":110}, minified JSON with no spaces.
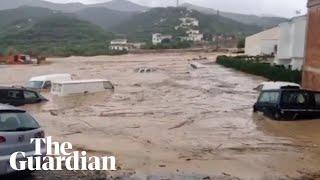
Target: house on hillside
{"x":188,"y":21}
{"x":157,"y":38}
{"x":291,"y":46}
{"x":263,"y":43}
{"x":193,"y":35}
{"x":123,"y":44}
{"x":119,"y":45}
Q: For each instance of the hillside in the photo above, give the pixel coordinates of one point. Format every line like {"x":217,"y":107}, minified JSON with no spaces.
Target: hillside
{"x":118,"y":5}
{"x":58,"y":34}
{"x":264,"y":22}
{"x":163,"y":20}
{"x":68,"y":7}
{"x":22,"y":17}
{"x":103,"y":17}
{"x":122,"y":5}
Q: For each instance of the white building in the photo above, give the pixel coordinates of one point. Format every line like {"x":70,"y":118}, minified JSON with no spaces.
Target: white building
{"x":188,"y":21}
{"x":119,"y":45}
{"x":157,"y":38}
{"x":291,"y":45}
{"x":193,"y":35}
{"x":263,"y":43}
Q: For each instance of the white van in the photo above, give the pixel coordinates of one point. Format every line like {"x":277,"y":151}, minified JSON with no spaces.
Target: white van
{"x":45,"y":81}
{"x":65,"y":88}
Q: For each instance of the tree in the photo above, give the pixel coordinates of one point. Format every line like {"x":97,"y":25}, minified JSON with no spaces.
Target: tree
{"x":241,"y":43}
{"x":11,"y":51}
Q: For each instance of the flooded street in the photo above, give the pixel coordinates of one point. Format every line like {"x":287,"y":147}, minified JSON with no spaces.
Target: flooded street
{"x":174,"y":119}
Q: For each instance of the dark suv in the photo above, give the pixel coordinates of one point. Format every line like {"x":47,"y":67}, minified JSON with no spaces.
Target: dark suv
{"x":288,"y":103}
{"x":19,"y":96}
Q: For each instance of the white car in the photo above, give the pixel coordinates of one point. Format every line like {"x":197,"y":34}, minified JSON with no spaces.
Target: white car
{"x":17,"y":127}
{"x":45,"y":81}
{"x":276,"y":85}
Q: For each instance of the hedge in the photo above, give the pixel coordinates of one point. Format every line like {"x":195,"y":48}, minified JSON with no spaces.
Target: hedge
{"x":273,"y":73}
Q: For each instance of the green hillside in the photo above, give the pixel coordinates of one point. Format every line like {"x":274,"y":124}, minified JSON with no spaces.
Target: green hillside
{"x":103,"y":17}
{"x":55,"y":34}
{"x":163,"y":20}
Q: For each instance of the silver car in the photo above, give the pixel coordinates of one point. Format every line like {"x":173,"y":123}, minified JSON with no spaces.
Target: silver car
{"x":17,"y":127}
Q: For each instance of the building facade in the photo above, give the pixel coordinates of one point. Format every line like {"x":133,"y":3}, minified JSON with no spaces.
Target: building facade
{"x":263,"y":43}
{"x":311,"y":69}
{"x":119,"y":45}
{"x":291,"y":45}
{"x":157,"y":38}
{"x":193,"y":35}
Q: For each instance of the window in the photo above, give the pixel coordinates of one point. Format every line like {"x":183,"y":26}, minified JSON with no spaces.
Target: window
{"x":296,"y":98}
{"x":15,"y":94}
{"x":35,"y":84}
{"x":30,"y":95}
{"x":317,"y":98}
{"x":13,"y":121}
{"x":47,"y":85}
{"x":269,"y":97}
{"x":107,"y":85}
{"x":3,"y":94}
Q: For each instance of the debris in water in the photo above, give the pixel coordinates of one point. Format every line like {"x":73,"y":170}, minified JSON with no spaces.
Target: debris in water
{"x":184,"y":123}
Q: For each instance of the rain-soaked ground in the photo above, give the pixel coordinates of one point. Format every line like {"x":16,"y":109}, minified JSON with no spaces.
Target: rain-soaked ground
{"x":175,"y":121}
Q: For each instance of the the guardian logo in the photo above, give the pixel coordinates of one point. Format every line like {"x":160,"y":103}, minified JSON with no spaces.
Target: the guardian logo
{"x":55,"y":156}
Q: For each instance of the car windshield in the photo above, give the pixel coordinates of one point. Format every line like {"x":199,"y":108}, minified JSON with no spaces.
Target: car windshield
{"x":35,"y":84}
{"x":17,"y":121}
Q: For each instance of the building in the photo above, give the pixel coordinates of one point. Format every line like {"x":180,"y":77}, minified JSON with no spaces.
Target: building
{"x":291,"y":45}
{"x":157,"y":38}
{"x":311,"y":69}
{"x":119,"y":45}
{"x":263,"y":43}
{"x":193,"y":35}
{"x":188,"y":21}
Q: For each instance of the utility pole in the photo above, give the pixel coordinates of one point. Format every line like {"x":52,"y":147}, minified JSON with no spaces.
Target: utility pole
{"x":177,"y":3}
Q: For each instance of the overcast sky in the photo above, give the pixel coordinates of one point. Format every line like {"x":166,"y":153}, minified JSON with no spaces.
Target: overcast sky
{"x":285,"y":8}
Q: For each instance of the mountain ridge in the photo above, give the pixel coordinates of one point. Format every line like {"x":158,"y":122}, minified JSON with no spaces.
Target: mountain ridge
{"x":262,"y":21}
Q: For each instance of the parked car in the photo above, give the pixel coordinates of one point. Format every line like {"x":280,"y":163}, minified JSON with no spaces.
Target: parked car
{"x":276,"y":85}
{"x":45,"y":81}
{"x":65,"y":88}
{"x":18,"y":96}
{"x":288,"y":103}
{"x":17,"y":127}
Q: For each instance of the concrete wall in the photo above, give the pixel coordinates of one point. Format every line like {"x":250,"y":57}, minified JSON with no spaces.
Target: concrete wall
{"x":311,"y":74}
{"x":262,"y":43}
{"x":291,"y":45}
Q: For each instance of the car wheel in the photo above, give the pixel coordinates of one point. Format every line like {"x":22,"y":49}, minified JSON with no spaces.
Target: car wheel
{"x":277,"y":116}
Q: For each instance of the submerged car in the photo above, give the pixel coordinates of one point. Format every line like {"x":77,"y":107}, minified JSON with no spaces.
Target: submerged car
{"x":17,"y":127}
{"x":66,"y":88}
{"x":288,"y":103}
{"x":18,"y":96}
{"x":44,"y":82}
{"x":276,"y":85}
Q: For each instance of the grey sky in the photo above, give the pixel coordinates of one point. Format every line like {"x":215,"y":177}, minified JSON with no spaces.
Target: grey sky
{"x":285,"y":8}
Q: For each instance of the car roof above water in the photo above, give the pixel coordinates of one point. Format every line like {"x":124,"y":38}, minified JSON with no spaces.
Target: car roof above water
{"x":6,"y":108}
{"x":15,"y":88}
{"x":289,"y":89}
{"x":51,"y":77}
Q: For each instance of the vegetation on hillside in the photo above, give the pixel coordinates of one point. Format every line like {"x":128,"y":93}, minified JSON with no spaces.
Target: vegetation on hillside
{"x":58,"y":35}
{"x":163,"y":20}
{"x":274,"y":73}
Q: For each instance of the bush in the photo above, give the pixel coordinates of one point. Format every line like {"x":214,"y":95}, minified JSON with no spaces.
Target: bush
{"x":174,"y":44}
{"x":274,"y":73}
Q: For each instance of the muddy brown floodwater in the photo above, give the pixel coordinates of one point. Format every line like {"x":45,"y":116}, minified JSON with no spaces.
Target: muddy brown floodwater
{"x":175,"y":119}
